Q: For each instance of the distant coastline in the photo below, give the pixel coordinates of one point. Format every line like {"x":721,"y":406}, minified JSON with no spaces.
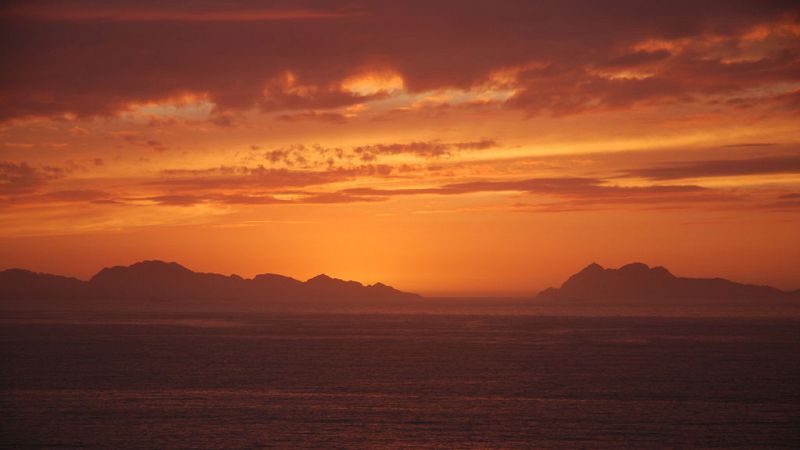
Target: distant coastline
{"x":159,"y":285}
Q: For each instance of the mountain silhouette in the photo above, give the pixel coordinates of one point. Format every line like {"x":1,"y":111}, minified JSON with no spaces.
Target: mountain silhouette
{"x":161,"y":284}
{"x":637,"y":284}
{"x":21,"y":284}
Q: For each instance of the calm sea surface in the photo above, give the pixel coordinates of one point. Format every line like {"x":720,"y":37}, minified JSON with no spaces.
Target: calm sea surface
{"x":398,"y":380}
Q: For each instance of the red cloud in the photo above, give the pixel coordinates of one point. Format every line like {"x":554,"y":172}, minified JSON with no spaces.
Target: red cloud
{"x":21,"y":178}
{"x":720,"y":168}
{"x":432,"y":149}
{"x":279,"y":60}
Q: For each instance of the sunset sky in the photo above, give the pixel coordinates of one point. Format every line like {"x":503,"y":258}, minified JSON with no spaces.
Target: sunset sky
{"x":442,"y":147}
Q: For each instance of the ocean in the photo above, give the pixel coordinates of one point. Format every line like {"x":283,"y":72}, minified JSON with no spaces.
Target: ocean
{"x":465,"y":379}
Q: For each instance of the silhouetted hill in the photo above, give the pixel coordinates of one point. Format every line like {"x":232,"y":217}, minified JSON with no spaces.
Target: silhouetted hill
{"x":22,"y":285}
{"x":161,"y":281}
{"x":637,"y":283}
{"x":159,"y":284}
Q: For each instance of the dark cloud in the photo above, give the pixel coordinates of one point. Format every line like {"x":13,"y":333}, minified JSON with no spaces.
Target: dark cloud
{"x":720,"y":168}
{"x":76,"y":195}
{"x":425,"y":149}
{"x":784,"y":202}
{"x":260,"y":177}
{"x":140,"y":140}
{"x":561,"y":89}
{"x":337,"y":197}
{"x":567,"y":186}
{"x":176,"y":200}
{"x":329,"y":117}
{"x":432,"y":149}
{"x":750,"y":144}
{"x":636,"y":59}
{"x":223,"y":119}
{"x":242,"y":185}
{"x":483,"y":144}
{"x":21,"y":183}
{"x":21,"y":178}
{"x":89,"y":58}
{"x":260,"y":199}
{"x":191,"y":200}
{"x":330,"y":158}
{"x":573,"y":193}
{"x":242,"y":177}
{"x":789,"y":101}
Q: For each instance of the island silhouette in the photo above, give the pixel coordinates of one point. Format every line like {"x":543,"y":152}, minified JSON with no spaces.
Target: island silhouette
{"x":639,"y":284}
{"x":159,"y":284}
{"x":163,"y":285}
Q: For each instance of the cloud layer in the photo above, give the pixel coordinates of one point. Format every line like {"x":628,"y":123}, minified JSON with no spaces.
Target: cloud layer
{"x":560,"y":57}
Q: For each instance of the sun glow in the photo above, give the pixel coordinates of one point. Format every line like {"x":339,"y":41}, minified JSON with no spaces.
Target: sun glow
{"x":371,"y":83}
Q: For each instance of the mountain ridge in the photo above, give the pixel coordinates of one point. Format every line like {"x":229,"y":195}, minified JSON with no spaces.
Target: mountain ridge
{"x":154,"y":281}
{"x":639,"y":284}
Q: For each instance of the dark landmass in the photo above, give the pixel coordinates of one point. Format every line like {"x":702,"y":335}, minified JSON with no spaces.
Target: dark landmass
{"x":169,"y":286}
{"x":638,"y":284}
{"x":164,"y":286}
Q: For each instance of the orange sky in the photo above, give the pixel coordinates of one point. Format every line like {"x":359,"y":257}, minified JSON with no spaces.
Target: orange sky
{"x":443,"y":147}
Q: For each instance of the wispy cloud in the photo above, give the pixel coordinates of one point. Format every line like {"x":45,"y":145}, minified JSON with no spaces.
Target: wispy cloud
{"x":720,"y":168}
{"x":21,"y":178}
